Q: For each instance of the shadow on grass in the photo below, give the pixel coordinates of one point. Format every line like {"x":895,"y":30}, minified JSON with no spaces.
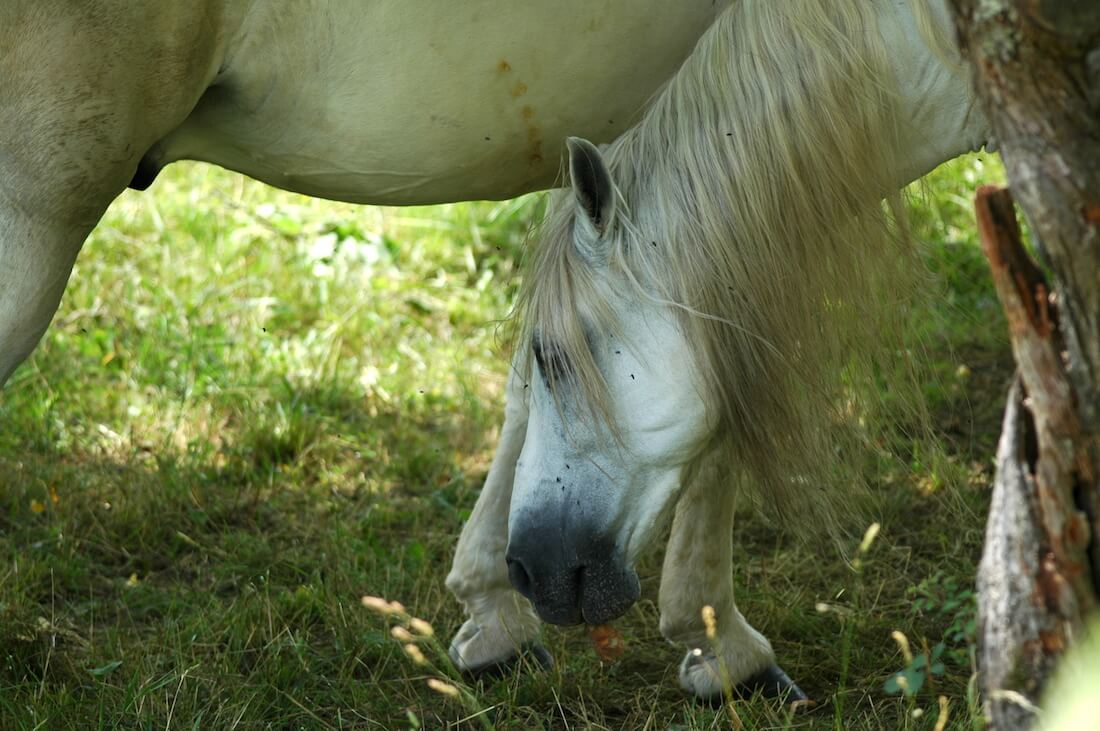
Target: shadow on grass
{"x":243,"y":562}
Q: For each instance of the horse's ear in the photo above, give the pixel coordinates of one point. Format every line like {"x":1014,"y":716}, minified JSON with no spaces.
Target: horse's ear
{"x":592,"y":185}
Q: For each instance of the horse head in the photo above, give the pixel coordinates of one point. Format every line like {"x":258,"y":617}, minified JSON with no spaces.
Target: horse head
{"x":589,"y":492}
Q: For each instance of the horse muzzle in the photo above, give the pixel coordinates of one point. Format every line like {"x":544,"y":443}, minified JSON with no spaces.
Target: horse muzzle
{"x":569,"y":581}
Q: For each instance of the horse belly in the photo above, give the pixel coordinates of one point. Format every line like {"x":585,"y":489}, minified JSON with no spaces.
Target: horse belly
{"x":413,"y":101}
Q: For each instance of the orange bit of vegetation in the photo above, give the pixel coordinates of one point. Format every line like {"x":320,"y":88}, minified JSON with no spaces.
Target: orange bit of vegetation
{"x":607,"y":642}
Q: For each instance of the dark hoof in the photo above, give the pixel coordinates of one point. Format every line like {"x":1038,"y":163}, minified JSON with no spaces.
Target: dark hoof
{"x":531,"y":654}
{"x":771,"y":682}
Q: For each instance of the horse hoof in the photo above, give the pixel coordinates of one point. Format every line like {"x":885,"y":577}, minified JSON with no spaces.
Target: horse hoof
{"x":701,"y":676}
{"x":530,"y":654}
{"x":771,"y":682}
{"x":492,"y":648}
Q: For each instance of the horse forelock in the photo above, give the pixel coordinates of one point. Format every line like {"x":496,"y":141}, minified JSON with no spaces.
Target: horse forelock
{"x":558,"y":307}
{"x":754,"y":183}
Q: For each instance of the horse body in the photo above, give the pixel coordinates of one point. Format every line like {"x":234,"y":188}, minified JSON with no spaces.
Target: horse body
{"x":421,"y":102}
{"x":375,"y":101}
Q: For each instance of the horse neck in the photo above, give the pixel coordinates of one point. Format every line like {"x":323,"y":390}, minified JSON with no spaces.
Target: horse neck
{"x":935,"y":119}
{"x":940,"y":119}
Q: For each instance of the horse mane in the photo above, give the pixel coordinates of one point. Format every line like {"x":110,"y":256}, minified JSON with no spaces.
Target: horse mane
{"x":751,"y":201}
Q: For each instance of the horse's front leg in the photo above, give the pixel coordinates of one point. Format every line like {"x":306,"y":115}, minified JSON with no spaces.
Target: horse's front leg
{"x":501,"y":623}
{"x":698,"y":573}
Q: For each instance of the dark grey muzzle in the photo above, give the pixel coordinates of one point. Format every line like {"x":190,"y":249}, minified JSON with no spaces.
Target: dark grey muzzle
{"x":570,"y":581}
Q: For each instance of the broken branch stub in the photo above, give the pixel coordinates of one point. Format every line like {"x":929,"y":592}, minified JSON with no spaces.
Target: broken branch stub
{"x":1035,"y":579}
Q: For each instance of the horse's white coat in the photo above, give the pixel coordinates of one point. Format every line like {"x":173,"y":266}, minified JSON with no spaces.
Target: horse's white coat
{"x":660,"y":410}
{"x":421,"y":102}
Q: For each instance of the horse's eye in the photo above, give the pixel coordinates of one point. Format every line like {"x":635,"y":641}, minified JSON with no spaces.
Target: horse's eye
{"x":552,"y":361}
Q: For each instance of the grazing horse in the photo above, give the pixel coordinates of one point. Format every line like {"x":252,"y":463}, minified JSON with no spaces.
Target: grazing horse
{"x":371,"y":101}
{"x":691,"y":298}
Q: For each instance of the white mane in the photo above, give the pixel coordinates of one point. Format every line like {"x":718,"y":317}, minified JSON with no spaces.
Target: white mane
{"x":751,"y":200}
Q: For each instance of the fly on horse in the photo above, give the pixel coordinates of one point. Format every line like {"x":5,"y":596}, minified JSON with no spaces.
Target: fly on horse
{"x":692,"y":299}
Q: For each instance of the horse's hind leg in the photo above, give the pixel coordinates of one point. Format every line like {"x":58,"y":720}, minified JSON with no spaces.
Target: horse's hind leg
{"x":85,"y":90}
{"x":698,"y":572}
{"x":501,"y":623}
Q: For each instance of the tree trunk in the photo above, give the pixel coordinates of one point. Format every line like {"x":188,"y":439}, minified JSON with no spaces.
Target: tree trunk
{"x":1036,"y":64}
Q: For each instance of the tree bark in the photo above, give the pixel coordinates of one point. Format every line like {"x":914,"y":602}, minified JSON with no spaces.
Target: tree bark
{"x":1036,"y":65}
{"x":1035,"y":583}
{"x":1033,"y":62}
{"x":1011,"y":626}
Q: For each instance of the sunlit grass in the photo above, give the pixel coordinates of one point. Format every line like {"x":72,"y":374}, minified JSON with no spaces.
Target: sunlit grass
{"x":254,"y":408}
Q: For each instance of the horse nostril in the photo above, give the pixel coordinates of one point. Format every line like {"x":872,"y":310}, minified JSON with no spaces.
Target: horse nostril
{"x":519,"y":576}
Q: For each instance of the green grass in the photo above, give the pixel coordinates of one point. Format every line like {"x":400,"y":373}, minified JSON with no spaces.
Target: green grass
{"x":253,"y":408}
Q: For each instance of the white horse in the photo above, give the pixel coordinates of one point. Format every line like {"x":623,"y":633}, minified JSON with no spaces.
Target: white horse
{"x":418,"y":102}
{"x":690,"y":299}
{"x":373,"y":101}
